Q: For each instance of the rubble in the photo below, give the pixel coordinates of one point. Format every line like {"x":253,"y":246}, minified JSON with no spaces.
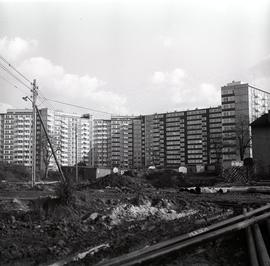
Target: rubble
{"x":131,"y":213}
{"x":109,"y":216}
{"x":122,"y":182}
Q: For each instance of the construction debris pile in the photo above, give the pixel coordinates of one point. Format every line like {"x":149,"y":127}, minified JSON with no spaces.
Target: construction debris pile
{"x":117,"y":181}
{"x":119,"y":212}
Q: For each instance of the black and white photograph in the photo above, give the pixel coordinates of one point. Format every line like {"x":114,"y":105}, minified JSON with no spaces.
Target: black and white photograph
{"x":135,"y":132}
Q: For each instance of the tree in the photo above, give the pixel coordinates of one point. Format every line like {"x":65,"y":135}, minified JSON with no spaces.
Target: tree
{"x":216,"y":150}
{"x":243,"y":135}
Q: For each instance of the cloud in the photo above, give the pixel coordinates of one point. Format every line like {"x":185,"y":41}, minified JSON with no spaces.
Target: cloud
{"x":167,"y":41}
{"x":56,"y":83}
{"x":181,"y":91}
{"x":4,"y":107}
{"x":158,"y":77}
{"x":259,"y":74}
{"x":14,"y":48}
{"x":262,"y":68}
{"x":173,"y":78}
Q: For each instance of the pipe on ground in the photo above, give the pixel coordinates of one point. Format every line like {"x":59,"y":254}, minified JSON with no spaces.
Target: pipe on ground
{"x":262,"y":253}
{"x":251,"y":245}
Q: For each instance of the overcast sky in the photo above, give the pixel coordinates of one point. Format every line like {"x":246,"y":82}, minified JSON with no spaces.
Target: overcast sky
{"x":134,"y":57}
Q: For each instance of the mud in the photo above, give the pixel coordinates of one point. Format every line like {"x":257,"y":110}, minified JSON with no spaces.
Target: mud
{"x":118,"y":218}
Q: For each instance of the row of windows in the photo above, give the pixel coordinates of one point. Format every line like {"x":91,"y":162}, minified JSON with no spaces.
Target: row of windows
{"x":194,"y":122}
{"x":194,"y":117}
{"x":195,"y":112}
{"x":215,"y":115}
{"x":228,"y":106}
{"x":228,"y":113}
{"x":173,"y":119}
{"x":194,"y":151}
{"x":227,"y":99}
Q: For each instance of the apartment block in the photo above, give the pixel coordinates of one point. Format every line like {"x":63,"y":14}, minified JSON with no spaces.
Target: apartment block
{"x":136,"y":144}
{"x":102,"y":143}
{"x":121,"y":141}
{"x":241,"y":105}
{"x":166,"y":140}
{"x":16,"y":136}
{"x":1,"y":136}
{"x":63,"y":128}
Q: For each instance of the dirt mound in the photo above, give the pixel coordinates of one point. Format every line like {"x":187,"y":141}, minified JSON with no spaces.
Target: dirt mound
{"x":166,"y":179}
{"x":119,"y":181}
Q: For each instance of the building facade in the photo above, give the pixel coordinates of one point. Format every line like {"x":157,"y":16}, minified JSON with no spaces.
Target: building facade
{"x":102,"y":143}
{"x":167,"y":140}
{"x":121,"y":141}
{"x":70,"y":134}
{"x":241,"y":105}
{"x":16,"y":137}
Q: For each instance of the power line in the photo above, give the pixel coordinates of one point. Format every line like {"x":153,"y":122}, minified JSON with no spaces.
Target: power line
{"x":81,"y":107}
{"x":48,"y":104}
{"x":43,"y":97}
{"x":10,"y":73}
{"x":12,"y":84}
{"x":17,"y":71}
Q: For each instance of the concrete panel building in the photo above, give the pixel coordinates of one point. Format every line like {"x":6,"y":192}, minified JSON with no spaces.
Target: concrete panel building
{"x":63,"y":129}
{"x":121,"y":141}
{"x":166,"y":140}
{"x":102,"y":142}
{"x":241,"y":105}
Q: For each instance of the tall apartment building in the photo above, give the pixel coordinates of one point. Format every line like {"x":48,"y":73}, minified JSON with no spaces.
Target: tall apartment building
{"x":165,"y":140}
{"x":121,"y":141}
{"x":102,"y":143}
{"x":1,"y":136}
{"x":241,"y":105}
{"x":71,"y":136}
{"x":136,"y":142}
{"x":16,"y":137}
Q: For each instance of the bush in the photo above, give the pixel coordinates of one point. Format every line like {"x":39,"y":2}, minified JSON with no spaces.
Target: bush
{"x":166,"y":179}
{"x":14,"y":172}
{"x":65,"y":193}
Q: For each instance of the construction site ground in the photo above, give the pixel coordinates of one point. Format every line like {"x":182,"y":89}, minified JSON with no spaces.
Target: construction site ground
{"x":105,"y":221}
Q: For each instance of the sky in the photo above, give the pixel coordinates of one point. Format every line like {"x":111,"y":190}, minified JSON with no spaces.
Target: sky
{"x":133,"y":57}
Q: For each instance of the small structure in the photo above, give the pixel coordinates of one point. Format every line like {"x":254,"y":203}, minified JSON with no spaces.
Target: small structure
{"x":261,"y":144}
{"x":85,"y":173}
{"x":182,"y":169}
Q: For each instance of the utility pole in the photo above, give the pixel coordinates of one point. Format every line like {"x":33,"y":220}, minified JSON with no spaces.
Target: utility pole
{"x":76,"y":152}
{"x":63,"y":179}
{"x":34,"y":131}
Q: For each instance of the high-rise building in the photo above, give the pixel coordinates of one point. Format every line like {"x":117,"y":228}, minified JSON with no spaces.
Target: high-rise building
{"x":102,"y":143}
{"x":2,"y":116}
{"x":241,"y":105}
{"x":16,"y":136}
{"x":166,"y":140}
{"x":71,"y":136}
{"x":136,"y":143}
{"x":121,"y":141}
{"x":64,"y":130}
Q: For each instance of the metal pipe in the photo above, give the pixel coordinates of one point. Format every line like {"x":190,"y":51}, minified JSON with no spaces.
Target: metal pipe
{"x":251,"y":245}
{"x":262,"y":253}
{"x":142,"y":256}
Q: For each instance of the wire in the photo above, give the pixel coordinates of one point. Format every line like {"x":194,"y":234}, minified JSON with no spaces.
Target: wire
{"x":23,"y":92}
{"x":42,"y":97}
{"x":9,"y":72}
{"x":17,"y":71}
{"x":81,"y":107}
